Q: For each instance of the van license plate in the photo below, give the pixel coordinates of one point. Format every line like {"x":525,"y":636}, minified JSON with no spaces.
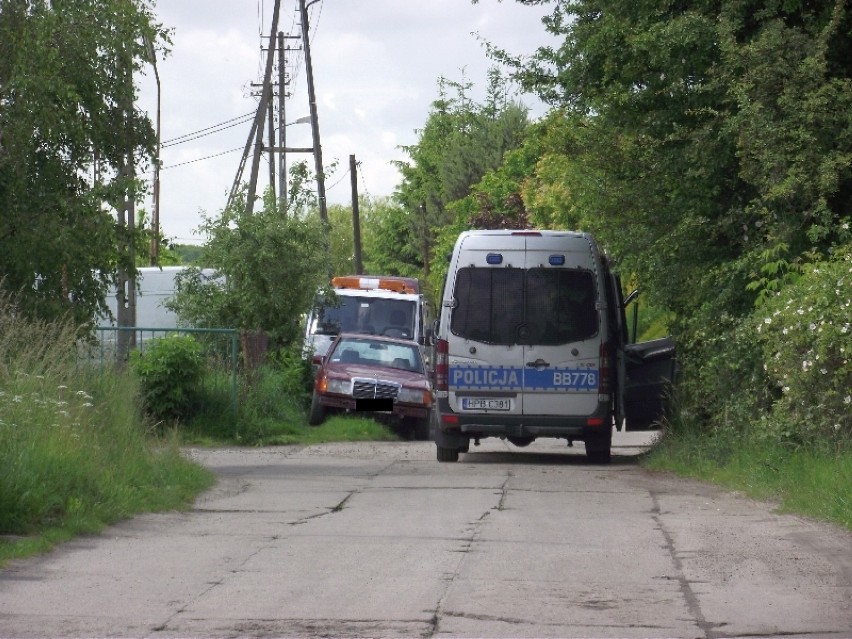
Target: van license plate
{"x":472,"y":403}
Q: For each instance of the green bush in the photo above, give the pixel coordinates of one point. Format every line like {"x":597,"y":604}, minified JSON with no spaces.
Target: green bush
{"x":805,"y":335}
{"x":170,"y":371}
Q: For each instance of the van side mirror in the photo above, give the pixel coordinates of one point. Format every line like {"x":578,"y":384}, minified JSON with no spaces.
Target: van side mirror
{"x":633,"y":295}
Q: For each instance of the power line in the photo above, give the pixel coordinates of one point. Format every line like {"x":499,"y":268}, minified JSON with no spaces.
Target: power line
{"x":215,"y":128}
{"x":207,"y":157}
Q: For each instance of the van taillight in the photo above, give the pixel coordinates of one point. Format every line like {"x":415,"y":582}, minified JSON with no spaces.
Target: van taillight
{"x":442,"y":365}
{"x":605,"y":369}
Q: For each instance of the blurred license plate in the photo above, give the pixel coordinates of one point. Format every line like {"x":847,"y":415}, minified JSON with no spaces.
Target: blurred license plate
{"x":473,"y":403}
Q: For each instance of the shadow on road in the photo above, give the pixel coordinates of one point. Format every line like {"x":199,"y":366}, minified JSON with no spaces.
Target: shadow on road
{"x":530,"y":458}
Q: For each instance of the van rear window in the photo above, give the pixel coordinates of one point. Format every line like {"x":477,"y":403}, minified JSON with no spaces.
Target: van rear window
{"x":543,"y":306}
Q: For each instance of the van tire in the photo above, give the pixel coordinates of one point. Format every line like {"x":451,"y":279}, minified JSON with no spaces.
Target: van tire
{"x":317,"y":414}
{"x":603,"y":456}
{"x":599,"y":448}
{"x":447,"y":454}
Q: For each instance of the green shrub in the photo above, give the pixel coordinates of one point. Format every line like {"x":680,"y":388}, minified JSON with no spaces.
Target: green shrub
{"x":805,"y":335}
{"x":170,"y":371}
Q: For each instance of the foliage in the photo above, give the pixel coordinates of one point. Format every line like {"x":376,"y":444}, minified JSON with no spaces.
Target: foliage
{"x":708,"y":147}
{"x":459,"y":143}
{"x":74,"y":450}
{"x":169,"y":371}
{"x":389,"y":241}
{"x":272,"y":267}
{"x":806,"y":338}
{"x":67,"y":120}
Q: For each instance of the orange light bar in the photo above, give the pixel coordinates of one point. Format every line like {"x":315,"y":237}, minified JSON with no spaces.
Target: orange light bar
{"x":395,"y":284}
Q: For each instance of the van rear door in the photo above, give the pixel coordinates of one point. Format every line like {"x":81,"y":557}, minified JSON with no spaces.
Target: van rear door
{"x":485,"y":362}
{"x":560,"y":334}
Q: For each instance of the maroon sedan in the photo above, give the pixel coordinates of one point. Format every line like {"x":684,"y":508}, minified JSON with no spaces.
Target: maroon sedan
{"x":382,"y":376}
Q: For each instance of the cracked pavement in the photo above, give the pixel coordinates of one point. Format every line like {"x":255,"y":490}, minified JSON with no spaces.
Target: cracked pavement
{"x":378,"y":539}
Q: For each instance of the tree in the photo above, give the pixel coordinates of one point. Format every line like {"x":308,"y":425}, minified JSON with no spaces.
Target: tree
{"x":65,"y":131}
{"x":272,"y":266}
{"x":460,"y":142}
{"x":709,"y":147}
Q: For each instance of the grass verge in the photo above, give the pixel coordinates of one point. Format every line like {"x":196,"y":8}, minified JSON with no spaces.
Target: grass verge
{"x":813,"y":483}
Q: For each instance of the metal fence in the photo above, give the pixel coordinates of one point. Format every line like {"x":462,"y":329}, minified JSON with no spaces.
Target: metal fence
{"x":113,"y":344}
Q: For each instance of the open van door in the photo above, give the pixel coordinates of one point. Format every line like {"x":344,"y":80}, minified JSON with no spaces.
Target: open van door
{"x":650,"y":375}
{"x":645,"y":372}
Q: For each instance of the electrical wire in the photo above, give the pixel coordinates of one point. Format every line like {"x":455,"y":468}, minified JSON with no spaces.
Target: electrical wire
{"x":206,"y":157}
{"x":216,"y":128}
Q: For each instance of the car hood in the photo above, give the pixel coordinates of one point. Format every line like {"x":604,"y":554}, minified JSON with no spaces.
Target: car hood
{"x":406,"y":378}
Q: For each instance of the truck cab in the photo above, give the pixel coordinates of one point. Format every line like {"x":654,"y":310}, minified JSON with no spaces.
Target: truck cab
{"x":370,"y":305}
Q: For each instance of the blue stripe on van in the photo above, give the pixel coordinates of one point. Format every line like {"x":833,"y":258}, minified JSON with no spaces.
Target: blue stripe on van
{"x":517,"y":379}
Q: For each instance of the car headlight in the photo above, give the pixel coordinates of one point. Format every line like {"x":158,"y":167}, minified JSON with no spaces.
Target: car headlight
{"x":414,"y":396}
{"x":339,"y":386}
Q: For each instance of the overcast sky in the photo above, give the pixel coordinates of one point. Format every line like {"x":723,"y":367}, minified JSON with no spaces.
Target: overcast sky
{"x":376,"y":67}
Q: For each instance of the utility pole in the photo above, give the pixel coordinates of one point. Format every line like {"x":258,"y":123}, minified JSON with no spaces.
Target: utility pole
{"x":282,"y":136}
{"x":257,"y":127}
{"x":356,"y":221}
{"x":312,"y":100}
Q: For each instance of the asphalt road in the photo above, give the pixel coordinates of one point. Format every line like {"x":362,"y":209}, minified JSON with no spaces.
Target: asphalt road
{"x":380,"y":540}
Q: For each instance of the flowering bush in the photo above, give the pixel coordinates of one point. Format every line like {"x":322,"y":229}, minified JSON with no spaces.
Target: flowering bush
{"x":806,"y":338}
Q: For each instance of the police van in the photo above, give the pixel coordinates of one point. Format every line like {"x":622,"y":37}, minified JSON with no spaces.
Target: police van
{"x":532,"y":342}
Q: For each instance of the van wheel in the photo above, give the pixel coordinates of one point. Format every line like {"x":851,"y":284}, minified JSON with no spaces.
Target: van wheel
{"x":317,"y":414}
{"x":447,"y":454}
{"x":521,"y":442}
{"x":599,"y":456}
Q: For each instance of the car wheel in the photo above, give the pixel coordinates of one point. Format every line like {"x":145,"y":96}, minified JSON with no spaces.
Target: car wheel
{"x":317,"y":414}
{"x":448,"y":454}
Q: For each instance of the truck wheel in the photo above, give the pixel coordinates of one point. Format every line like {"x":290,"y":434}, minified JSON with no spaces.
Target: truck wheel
{"x":317,"y":414}
{"x":447,"y":454}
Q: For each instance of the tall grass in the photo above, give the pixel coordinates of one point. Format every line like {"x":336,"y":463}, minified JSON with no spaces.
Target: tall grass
{"x":75,"y":451}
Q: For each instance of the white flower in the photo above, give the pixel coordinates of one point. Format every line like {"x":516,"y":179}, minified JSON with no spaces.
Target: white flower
{"x":847,"y":399}
{"x":767,"y":320}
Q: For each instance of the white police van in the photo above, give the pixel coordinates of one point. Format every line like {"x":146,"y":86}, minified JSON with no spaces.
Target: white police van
{"x":532,"y":342}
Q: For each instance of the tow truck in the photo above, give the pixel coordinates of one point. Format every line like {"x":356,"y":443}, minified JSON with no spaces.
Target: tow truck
{"x":371,"y":305}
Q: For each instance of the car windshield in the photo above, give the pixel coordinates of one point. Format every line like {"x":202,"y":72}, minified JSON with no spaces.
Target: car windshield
{"x":364,"y":314}
{"x":378,"y":353}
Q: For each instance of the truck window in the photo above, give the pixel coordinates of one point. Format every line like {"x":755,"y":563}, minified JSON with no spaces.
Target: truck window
{"x":355,"y":314}
{"x":513,"y":306}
